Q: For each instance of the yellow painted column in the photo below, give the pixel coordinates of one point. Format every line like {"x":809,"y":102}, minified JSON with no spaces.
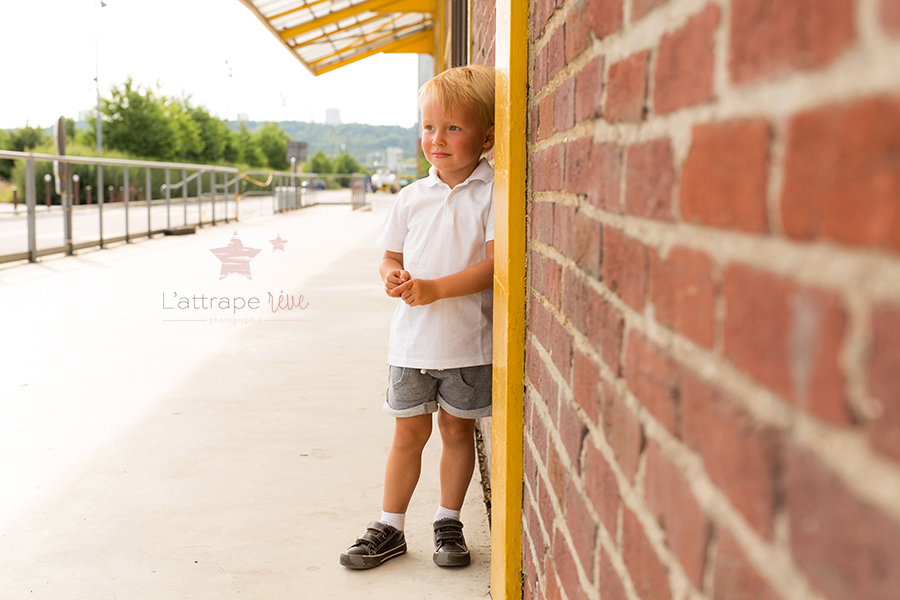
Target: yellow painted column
{"x":510,"y":159}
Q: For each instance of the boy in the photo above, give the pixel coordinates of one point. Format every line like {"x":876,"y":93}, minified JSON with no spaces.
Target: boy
{"x":439,"y":260}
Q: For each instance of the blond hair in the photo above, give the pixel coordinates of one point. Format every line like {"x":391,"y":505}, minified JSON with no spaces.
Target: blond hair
{"x":471,"y":88}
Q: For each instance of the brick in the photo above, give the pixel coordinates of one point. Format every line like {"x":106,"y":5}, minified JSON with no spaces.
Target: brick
{"x":564,"y":105}
{"x":545,"y":277}
{"x":741,"y":458}
{"x":884,"y":380}
{"x":547,"y":169}
{"x":587,"y":244}
{"x":734,"y":578}
{"x":640,"y":8}
{"x":605,"y":169}
{"x":546,"y":116}
{"x":556,"y":53}
{"x":611,"y":587}
{"x":578,"y":33}
{"x":773,"y":37}
{"x":847,"y":548}
{"x":537,"y":430}
{"x":564,"y":225}
{"x":725,"y":177}
{"x":589,"y":91}
{"x":626,"y":88}
{"x":596,"y":318}
{"x":534,"y":123}
{"x":672,"y":503}
{"x":601,"y":488}
{"x":558,"y":475}
{"x":585,"y":380}
{"x":654,"y":378}
{"x":552,"y":336}
{"x":529,"y":579}
{"x":529,"y":467}
{"x":545,"y":507}
{"x":683,"y":293}
{"x":624,"y":267}
{"x":582,"y":528}
{"x":622,"y":430}
{"x":788,"y":337}
{"x":685,"y":63}
{"x":578,"y":164}
{"x":649,"y":177}
{"x":842,"y":174}
{"x":566,"y":570}
{"x":572,"y":432}
{"x":605,"y":16}
{"x":533,"y":365}
{"x":890,"y":15}
{"x":541,"y":219}
{"x":649,"y":576}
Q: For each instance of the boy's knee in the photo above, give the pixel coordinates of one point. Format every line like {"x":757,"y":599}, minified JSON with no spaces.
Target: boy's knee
{"x":412,"y":435}
{"x":455,"y":430}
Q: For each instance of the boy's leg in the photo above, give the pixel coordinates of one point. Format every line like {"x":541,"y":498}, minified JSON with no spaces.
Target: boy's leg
{"x":383,"y":541}
{"x":404,"y":461}
{"x":457,"y":466}
{"x":457,"y":458}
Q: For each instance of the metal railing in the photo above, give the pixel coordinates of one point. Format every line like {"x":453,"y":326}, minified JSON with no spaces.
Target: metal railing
{"x":202,"y":194}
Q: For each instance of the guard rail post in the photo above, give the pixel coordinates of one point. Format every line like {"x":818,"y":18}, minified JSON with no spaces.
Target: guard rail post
{"x":30,"y":202}
{"x":127,"y":198}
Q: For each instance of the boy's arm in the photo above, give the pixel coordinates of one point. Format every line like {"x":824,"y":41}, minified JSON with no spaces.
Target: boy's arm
{"x":477,"y":278}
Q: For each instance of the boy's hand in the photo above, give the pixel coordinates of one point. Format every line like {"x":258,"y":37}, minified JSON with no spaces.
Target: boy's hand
{"x":393,"y":279}
{"x":418,"y":292}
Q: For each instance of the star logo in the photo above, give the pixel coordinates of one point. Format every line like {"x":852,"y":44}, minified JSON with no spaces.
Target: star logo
{"x":235,"y":258}
{"x":278,"y":243}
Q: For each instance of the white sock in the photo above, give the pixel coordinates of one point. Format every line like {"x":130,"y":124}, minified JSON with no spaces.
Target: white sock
{"x":444,"y":513}
{"x":395,"y":520}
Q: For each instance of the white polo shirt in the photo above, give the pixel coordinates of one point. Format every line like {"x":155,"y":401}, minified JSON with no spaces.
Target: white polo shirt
{"x":441,"y":232}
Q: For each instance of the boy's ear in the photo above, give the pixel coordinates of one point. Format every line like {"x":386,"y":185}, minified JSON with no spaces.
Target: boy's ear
{"x":489,"y":138}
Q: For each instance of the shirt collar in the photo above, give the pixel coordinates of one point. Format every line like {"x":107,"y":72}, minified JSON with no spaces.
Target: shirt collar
{"x":483,"y":172}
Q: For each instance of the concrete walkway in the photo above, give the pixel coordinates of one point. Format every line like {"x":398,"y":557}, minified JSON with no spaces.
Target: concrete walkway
{"x":146,"y":452}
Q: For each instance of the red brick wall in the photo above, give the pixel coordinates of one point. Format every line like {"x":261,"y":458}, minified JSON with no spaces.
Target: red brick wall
{"x":713,"y":347}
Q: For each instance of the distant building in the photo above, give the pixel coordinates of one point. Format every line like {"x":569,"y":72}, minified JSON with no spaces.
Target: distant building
{"x":332,"y":116}
{"x":393,"y":157}
{"x":243,"y":117}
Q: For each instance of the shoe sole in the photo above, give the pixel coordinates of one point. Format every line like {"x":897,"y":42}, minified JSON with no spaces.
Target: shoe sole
{"x":452,"y":560}
{"x":362,"y":561}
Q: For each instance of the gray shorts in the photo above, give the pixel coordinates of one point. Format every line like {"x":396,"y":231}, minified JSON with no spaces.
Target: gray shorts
{"x":464,"y":392}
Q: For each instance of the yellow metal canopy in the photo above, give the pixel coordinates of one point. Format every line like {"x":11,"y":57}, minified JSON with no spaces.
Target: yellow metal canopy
{"x":327,"y":34}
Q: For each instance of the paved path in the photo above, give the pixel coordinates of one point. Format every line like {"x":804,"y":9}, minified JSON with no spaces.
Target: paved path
{"x":148,"y":453}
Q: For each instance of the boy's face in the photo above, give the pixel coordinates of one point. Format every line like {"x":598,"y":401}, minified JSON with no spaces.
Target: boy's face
{"x":452,"y":141}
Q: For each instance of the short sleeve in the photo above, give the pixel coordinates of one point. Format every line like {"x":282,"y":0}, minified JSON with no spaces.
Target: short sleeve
{"x":489,"y":227}
{"x":393,"y":232}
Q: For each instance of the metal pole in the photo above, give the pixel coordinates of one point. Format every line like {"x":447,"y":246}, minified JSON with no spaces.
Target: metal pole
{"x":168,"y":201}
{"x":200,"y":198}
{"x":87,"y":194}
{"x":75,"y":181}
{"x":184,"y":194}
{"x":149,"y":194}
{"x":67,"y":207}
{"x":212,"y":191}
{"x":47,"y":190}
{"x":227,"y":188}
{"x":100,"y":200}
{"x":15,"y":199}
{"x":126,"y":198}
{"x":30,"y":201}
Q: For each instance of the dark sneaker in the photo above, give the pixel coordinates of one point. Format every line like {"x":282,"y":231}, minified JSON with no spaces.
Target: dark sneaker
{"x":450,"y":548}
{"x":379,"y":543}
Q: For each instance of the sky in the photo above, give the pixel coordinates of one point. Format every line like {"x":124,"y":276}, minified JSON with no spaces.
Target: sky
{"x":49,"y":60}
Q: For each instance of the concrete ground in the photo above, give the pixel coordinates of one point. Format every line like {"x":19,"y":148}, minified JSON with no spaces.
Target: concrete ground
{"x":149,"y":452}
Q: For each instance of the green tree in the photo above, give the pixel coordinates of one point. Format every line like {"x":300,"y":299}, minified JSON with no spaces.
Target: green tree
{"x":320,"y":163}
{"x":23,"y":139}
{"x":272,"y":142}
{"x":345,"y":163}
{"x":247,"y":149}
{"x":136,"y":121}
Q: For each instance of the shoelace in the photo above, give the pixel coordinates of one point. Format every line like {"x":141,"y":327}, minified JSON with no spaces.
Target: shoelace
{"x":448,"y":534}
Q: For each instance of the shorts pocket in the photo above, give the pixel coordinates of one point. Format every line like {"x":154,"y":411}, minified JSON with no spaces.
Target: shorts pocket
{"x":456,"y":391}
{"x":398,"y":376}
